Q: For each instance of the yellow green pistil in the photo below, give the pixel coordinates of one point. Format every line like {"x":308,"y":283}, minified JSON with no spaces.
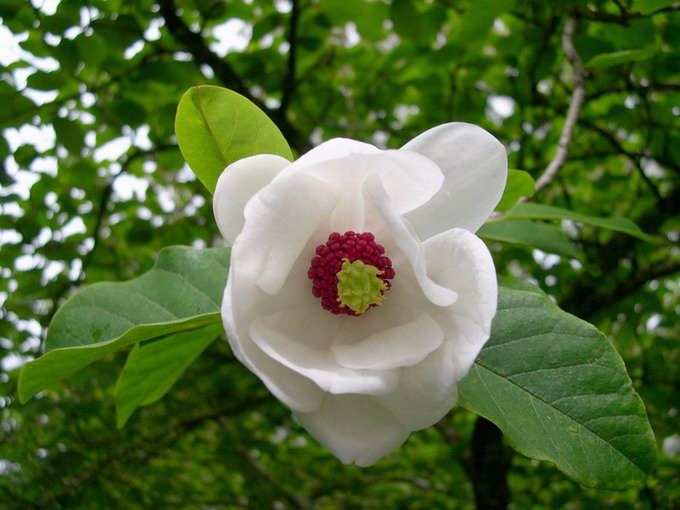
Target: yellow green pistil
{"x":359,"y":286}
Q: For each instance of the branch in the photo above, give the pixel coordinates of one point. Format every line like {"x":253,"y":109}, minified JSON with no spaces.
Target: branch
{"x":624,"y":17}
{"x":195,"y":44}
{"x":289,"y":82}
{"x":574,"y":110}
{"x":490,"y":462}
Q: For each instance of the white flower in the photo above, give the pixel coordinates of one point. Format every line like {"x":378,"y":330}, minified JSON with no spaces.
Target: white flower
{"x":361,"y":379}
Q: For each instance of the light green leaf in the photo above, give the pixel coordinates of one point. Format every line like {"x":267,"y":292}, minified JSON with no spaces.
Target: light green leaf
{"x":477,"y":20}
{"x":519,"y":184}
{"x":152,"y":368}
{"x":607,"y":60}
{"x":547,"y":238}
{"x":182,"y":292}
{"x":216,"y":126}
{"x":548,"y":212}
{"x":650,"y":6}
{"x":559,"y":391}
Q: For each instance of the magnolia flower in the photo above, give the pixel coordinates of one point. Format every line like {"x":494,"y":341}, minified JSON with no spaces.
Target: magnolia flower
{"x":358,"y":292}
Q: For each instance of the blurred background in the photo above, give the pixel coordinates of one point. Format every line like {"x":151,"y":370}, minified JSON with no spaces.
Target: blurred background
{"x":92,"y":186}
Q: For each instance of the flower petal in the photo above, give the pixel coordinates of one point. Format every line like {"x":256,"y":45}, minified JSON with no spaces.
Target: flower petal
{"x":476,"y":167}
{"x":460,"y":260}
{"x":407,"y":241}
{"x":355,"y":428}
{"x":293,"y":340}
{"x":409,"y":179}
{"x":391,"y":348}
{"x":293,"y":389}
{"x":280,"y":219}
{"x":427,"y":391}
{"x":237,"y":184}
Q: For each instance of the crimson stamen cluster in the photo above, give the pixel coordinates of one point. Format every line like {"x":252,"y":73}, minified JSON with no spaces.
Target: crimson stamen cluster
{"x":328,"y":261}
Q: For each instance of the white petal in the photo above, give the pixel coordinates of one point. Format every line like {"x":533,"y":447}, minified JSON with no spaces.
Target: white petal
{"x":409,"y":179}
{"x":237,"y":184}
{"x":280,"y":219}
{"x":333,"y":149}
{"x":293,"y":389}
{"x":476,"y":167}
{"x":407,"y":241}
{"x":355,"y":428}
{"x":426,"y":392}
{"x":391,"y":348}
{"x":289,"y":337}
{"x":460,"y":260}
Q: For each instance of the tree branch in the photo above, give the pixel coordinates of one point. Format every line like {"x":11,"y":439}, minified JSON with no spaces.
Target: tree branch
{"x":196,"y":45}
{"x":489,"y":465}
{"x":575,"y":103}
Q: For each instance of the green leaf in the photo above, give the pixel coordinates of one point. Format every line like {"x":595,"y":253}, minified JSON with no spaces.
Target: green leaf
{"x":408,"y":22}
{"x":520,"y":184}
{"x":607,"y":60}
{"x":15,"y":106}
{"x":559,"y":391}
{"x":478,"y":19}
{"x":549,"y":212}
{"x":547,"y":238}
{"x":216,"y":126}
{"x":69,"y":134}
{"x":152,"y":368}
{"x":182,"y":292}
{"x":40,"y":80}
{"x":650,"y":6}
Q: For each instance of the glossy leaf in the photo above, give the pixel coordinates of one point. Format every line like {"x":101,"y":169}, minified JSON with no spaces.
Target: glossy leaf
{"x":548,"y":212}
{"x":559,"y":391}
{"x":182,"y":292}
{"x":547,"y":238}
{"x":216,"y":126}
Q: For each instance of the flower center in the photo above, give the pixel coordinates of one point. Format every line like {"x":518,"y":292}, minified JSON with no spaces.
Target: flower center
{"x":350,"y":273}
{"x":359,"y":286}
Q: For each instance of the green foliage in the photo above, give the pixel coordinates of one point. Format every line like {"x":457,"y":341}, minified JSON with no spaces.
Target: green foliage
{"x":152,"y":368}
{"x":559,"y":391}
{"x":100,"y":200}
{"x":181,"y":293}
{"x":547,"y":212}
{"x":548,"y":238}
{"x":519,"y":184}
{"x":216,"y":126}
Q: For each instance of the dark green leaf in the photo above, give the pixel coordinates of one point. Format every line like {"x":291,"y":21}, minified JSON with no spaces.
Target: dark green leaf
{"x":559,"y":391}
{"x":69,"y":134}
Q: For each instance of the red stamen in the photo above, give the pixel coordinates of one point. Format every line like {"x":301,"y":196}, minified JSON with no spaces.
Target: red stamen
{"x":325,"y":265}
